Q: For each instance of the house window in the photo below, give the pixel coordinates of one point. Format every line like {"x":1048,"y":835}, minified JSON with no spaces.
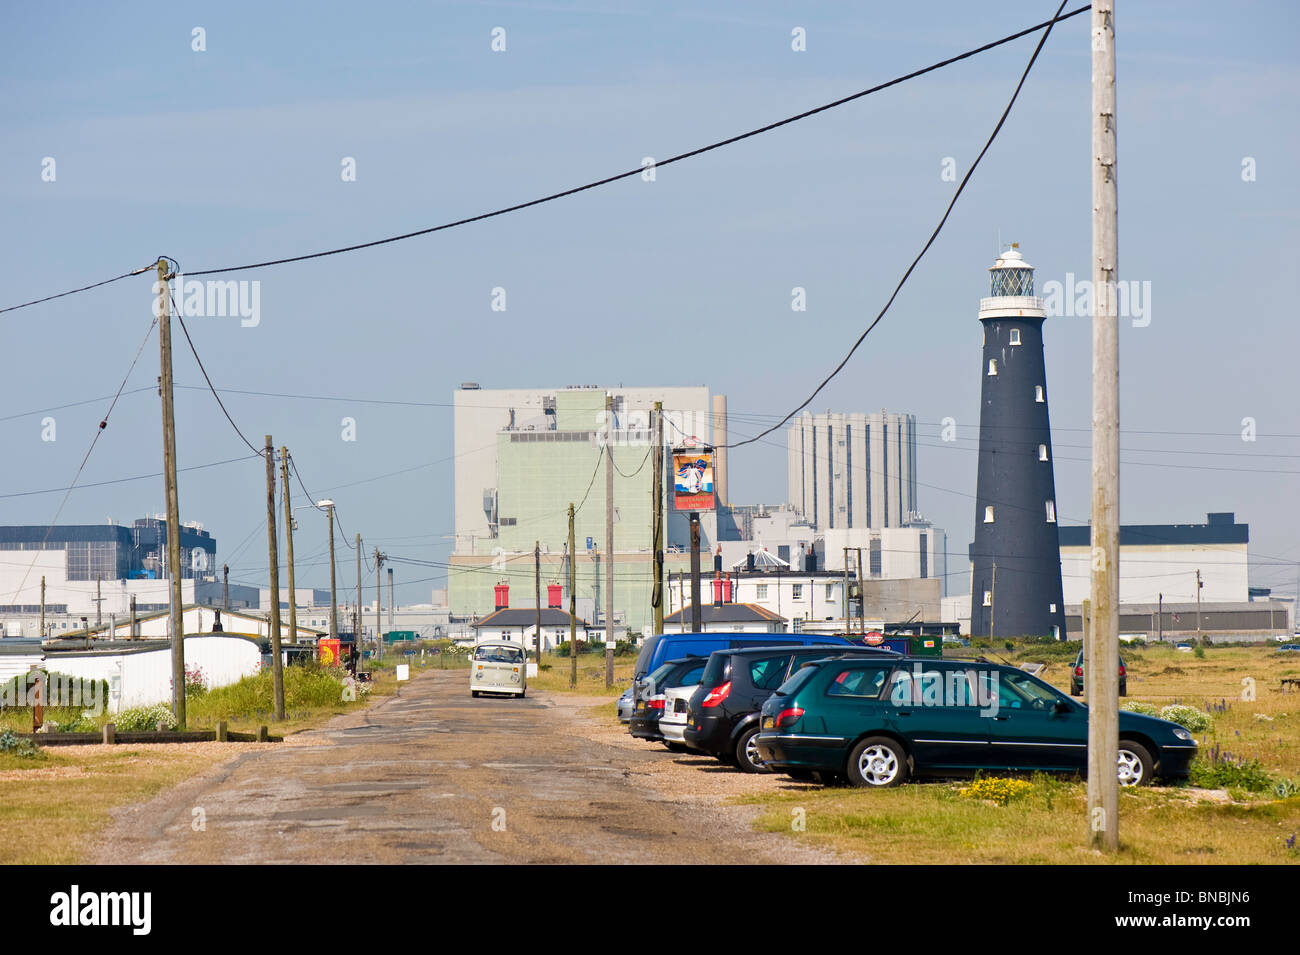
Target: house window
{"x":760,"y":592}
{"x":1015,"y":336}
{"x":988,"y":514}
{"x":830,"y":591}
{"x":796,"y":591}
{"x":988,"y":598}
{"x":1051,"y":512}
{"x":1042,"y":452}
{"x":1038,"y":394}
{"x":993,"y":366}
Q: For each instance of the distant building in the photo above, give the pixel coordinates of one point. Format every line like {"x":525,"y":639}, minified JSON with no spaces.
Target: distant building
{"x":853,"y":470}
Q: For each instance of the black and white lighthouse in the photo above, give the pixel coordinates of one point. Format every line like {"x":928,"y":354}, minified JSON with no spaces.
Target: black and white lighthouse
{"x":1016,"y":558}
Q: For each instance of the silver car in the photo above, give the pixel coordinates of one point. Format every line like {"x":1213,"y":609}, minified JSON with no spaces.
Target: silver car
{"x":625,"y":704}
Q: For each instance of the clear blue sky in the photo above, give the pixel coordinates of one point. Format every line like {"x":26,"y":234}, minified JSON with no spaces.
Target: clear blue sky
{"x":233,"y":154}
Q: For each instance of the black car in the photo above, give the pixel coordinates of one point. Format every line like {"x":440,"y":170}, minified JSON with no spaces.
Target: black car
{"x":649,"y":705}
{"x":1076,"y":676}
{"x":722,"y":717}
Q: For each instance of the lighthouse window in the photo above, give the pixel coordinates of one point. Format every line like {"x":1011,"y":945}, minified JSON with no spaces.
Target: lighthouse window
{"x":988,"y":514}
{"x":1051,"y":512}
{"x":1015,"y":336}
{"x":1042,"y":452}
{"x":1051,"y":608}
{"x":1038,"y":393}
{"x":988,"y":598}
{"x":993,"y":366}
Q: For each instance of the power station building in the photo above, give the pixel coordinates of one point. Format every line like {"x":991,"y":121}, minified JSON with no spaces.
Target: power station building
{"x":1015,"y":558}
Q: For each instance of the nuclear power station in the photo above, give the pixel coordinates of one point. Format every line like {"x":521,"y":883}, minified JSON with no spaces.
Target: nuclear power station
{"x":1015,"y":558}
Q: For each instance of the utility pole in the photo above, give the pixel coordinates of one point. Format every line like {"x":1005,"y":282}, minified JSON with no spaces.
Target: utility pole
{"x":42,"y":606}
{"x":273,"y":549}
{"x":356,"y":613}
{"x":334,"y":599}
{"x":1102,"y":676}
{"x":993,"y":601}
{"x":1199,"y":634}
{"x":288,"y":539}
{"x":133,"y":623}
{"x":99,"y":600}
{"x":225,"y":587}
{"x":846,"y":592}
{"x":609,"y":540}
{"x":697,"y":612}
{"x":537,"y":589}
{"x":391,"y":605}
{"x":1160,"y":618}
{"x":573,"y":609}
{"x":657,"y":542}
{"x":173,"y":496}
{"x":379,"y":600}
{"x":862,"y":598}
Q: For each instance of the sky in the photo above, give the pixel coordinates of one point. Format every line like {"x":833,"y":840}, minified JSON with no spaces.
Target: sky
{"x":240,"y":152}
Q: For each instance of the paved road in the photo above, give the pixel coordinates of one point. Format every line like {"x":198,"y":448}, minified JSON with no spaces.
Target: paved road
{"x":433,"y":776}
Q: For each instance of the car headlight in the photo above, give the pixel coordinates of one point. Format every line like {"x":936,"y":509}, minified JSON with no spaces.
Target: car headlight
{"x":1183,"y":734}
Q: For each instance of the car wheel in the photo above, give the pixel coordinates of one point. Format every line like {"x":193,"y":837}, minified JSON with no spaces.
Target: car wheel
{"x":1136,"y":768}
{"x":747,"y":757}
{"x":473,"y":693}
{"x":877,"y":761}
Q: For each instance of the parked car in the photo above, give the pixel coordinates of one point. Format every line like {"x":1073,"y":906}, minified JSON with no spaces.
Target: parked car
{"x":625,"y":706}
{"x":662,"y":647}
{"x":723,"y":712}
{"x":1289,"y":646}
{"x":877,"y":722}
{"x":649,"y":707}
{"x":672,"y":725}
{"x":1186,"y":647}
{"x":1076,"y":676}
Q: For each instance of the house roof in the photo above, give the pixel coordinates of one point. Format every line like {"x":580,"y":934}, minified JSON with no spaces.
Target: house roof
{"x":727,"y":613}
{"x":527,"y":617}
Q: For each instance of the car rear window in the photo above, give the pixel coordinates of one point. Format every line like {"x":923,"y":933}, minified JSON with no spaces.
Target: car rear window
{"x":657,"y":676}
{"x":797,"y":681}
{"x":715,"y":673}
{"x":688,"y":677}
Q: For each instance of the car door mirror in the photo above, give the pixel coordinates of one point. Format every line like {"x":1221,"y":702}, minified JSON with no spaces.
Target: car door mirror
{"x":1061,"y":707}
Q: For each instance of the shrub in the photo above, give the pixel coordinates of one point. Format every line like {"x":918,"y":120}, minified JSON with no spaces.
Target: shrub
{"x":1199,"y":653}
{"x":1188,"y":717}
{"x":138,"y":719}
{"x":12,"y":745}
{"x":1286,"y":789}
{"x":1219,"y":769}
{"x":1146,"y":709}
{"x":997,"y":789}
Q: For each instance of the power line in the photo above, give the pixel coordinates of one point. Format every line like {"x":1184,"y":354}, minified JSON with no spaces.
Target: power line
{"x":1048,"y":24}
{"x":929,"y":242}
{"x":125,"y":480}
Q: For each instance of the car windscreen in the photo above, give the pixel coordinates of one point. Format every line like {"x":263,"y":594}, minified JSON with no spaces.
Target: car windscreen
{"x":657,"y":676}
{"x":498,"y":655}
{"x":796,"y":681}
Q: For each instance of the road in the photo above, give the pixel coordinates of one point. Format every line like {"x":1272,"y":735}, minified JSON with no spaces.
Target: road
{"x":433,"y":776}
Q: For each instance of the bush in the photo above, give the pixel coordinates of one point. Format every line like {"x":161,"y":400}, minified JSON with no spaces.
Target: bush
{"x":11,"y":745}
{"x":997,"y":789}
{"x":1188,"y":717}
{"x":139,"y":719}
{"x":1146,"y":709}
{"x":1199,"y":653}
{"x":1221,"y":770}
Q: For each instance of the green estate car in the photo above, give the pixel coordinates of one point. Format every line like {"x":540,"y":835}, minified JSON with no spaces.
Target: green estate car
{"x":876,"y":722}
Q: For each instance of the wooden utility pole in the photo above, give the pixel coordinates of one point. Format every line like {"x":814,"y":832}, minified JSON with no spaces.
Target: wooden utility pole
{"x":993,"y":598}
{"x":697,"y":611}
{"x":225,"y":587}
{"x":356,"y":614}
{"x":609,"y":540}
{"x":99,"y":600}
{"x":811,"y":593}
{"x":42,"y":606}
{"x":657,"y":535}
{"x":1160,"y":618}
{"x":273,"y":549}
{"x":537,"y":589}
{"x":334,"y":598}
{"x":177,"y":620}
{"x":379,"y":600}
{"x":288,"y":540}
{"x":1199,"y":585}
{"x":862,"y":599}
{"x":573,"y":608}
{"x":1102,"y":673}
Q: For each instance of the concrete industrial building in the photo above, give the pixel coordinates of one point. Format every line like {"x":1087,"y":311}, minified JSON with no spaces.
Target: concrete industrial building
{"x":1015,"y":558}
{"x":853,"y":470}
{"x":523,"y":454}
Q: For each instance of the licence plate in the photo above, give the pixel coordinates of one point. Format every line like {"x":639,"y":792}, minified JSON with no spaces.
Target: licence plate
{"x":768,"y":722}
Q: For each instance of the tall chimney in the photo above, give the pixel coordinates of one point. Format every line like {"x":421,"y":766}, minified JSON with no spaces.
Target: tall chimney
{"x":719,"y":443}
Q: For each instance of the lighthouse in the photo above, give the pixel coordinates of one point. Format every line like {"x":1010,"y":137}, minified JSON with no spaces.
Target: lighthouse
{"x":1015,"y":558}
